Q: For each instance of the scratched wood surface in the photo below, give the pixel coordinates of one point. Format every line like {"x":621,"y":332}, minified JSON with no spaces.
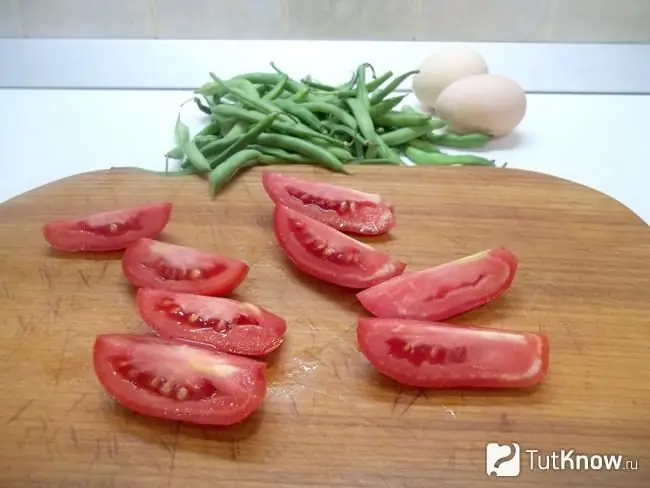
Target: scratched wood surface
{"x":329,"y":419}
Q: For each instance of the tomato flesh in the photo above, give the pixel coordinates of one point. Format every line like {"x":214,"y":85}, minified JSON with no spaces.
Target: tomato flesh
{"x":444,"y":291}
{"x":177,"y":381}
{"x":153,"y":264}
{"x":108,"y":231}
{"x":342,"y":208}
{"x":227,"y":325}
{"x":330,"y":255}
{"x":437,"y":355}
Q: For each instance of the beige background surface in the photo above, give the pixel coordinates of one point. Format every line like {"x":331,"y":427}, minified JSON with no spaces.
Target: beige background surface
{"x":422,"y":20}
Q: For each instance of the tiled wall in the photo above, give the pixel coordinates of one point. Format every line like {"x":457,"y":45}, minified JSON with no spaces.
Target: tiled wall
{"x":427,"y":20}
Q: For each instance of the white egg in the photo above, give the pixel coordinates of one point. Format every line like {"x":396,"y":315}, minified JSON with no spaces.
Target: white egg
{"x":487,"y":103}
{"x":443,"y":68}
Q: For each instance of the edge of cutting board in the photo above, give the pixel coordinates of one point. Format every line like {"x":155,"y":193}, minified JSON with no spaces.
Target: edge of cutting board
{"x":358,"y":170}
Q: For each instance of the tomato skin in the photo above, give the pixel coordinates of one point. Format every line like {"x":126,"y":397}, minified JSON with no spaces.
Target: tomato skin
{"x":375,"y":266}
{"x":239,"y":381}
{"x":213,"y":317}
{"x":370,"y":215}
{"x":77,"y":235}
{"x":142,"y":260}
{"x":451,"y":356}
{"x":446,"y":290}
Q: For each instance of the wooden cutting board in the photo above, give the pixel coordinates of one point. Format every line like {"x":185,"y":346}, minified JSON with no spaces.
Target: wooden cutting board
{"x":329,"y":420}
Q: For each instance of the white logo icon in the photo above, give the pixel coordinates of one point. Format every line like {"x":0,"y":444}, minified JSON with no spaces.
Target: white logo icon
{"x":502,"y":459}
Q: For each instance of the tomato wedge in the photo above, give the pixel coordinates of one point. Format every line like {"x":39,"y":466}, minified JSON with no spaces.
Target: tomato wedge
{"x":444,"y":291}
{"x":228,"y":325}
{"x":108,"y":231}
{"x":330,"y":255}
{"x":177,"y":381}
{"x":153,"y":264}
{"x":345,"y":209}
{"x":435,"y":355}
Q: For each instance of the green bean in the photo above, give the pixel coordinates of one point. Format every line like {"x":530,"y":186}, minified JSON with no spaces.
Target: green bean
{"x":377,"y":82}
{"x":291,"y":129}
{"x":226,"y":171}
{"x":379,"y":95}
{"x":366,"y":126}
{"x":400,"y":119}
{"x":188,"y":147}
{"x":265,"y":106}
{"x":238,"y":128}
{"x":271,"y":79}
{"x":385,"y":106}
{"x":305,"y":148}
{"x":334,"y":128}
{"x":279,"y":153}
{"x":245,"y":139}
{"x":225,"y":123}
{"x":423,"y":145}
{"x":318,"y":86}
{"x":216,"y":147}
{"x":340,"y":153}
{"x":212,"y":128}
{"x":301,"y":95}
{"x":387,"y":152}
{"x":362,"y":91}
{"x":358,"y":148}
{"x":372,"y":150}
{"x":181,"y":132}
{"x":201,"y":106}
{"x":244,"y":86}
{"x":334,"y":111}
{"x":204,"y":140}
{"x":195,"y":157}
{"x":374,"y":161}
{"x":460,"y":140}
{"x":300,"y":112}
{"x":421,"y":157}
{"x":277,"y":89}
{"x":268,"y":160}
{"x":405,"y":134}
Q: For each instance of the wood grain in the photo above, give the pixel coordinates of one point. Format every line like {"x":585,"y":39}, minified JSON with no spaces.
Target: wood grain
{"x":329,"y":419}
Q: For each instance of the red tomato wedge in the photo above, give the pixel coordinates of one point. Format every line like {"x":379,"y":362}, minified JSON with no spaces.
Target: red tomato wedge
{"x":446,"y":290}
{"x":177,"y":381}
{"x":327,"y":254}
{"x":228,"y":325}
{"x":108,"y":231}
{"x":153,"y":264}
{"x":435,"y":355}
{"x":345,"y":209}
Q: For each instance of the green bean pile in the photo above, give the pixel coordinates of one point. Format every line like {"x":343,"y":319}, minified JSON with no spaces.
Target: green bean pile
{"x":270,"y":118}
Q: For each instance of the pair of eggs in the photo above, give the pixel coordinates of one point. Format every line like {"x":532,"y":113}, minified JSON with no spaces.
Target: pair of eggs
{"x":457,"y":85}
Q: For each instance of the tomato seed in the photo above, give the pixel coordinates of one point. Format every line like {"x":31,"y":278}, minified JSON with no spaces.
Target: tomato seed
{"x":166,"y":388}
{"x":155,"y":383}
{"x":195,"y":274}
{"x":182,"y":393}
{"x":342,"y":206}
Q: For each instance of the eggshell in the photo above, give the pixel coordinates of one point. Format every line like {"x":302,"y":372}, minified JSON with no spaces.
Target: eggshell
{"x":443,"y":68}
{"x":487,"y":103}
